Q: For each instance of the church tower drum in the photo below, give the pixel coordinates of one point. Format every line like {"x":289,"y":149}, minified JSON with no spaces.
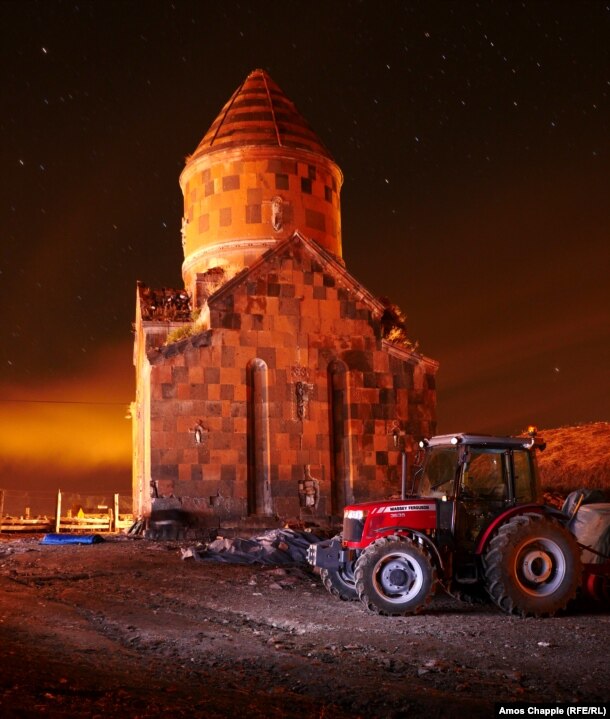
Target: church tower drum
{"x":259,"y":174}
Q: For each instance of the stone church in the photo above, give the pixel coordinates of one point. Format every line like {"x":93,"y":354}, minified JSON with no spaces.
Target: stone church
{"x":274,"y":386}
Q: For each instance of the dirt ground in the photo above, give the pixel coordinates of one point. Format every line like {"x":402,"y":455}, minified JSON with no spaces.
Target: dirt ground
{"x":127,"y":628}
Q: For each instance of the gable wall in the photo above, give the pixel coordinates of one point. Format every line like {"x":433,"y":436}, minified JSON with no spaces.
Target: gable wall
{"x":301,"y":321}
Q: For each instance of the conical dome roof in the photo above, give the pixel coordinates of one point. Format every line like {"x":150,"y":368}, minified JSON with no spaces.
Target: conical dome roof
{"x":259,"y":175}
{"x":259,"y":114}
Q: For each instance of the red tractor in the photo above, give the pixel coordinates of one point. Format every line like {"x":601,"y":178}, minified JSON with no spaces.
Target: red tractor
{"x":474,"y":523}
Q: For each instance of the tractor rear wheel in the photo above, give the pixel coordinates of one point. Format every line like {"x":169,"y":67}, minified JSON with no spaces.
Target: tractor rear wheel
{"x":394,"y":576}
{"x":532,"y":566}
{"x":340,"y":582}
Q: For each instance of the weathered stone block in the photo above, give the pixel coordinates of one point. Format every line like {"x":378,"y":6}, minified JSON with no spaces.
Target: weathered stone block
{"x":168,"y":390}
{"x":231,"y":376}
{"x":198,"y":391}
{"x":226,"y":391}
{"x":212,"y":375}
{"x":213,"y":392}
{"x":358,"y":360}
{"x":213,"y":409}
{"x":228,"y":473}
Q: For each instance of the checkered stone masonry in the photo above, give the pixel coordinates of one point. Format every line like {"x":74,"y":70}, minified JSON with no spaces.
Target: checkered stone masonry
{"x":300,"y":313}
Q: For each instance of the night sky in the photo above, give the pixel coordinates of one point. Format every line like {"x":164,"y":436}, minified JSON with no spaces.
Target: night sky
{"x":474,"y":140}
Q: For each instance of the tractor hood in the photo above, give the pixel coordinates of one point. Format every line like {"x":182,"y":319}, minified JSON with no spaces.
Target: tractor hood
{"x":371,"y":520}
{"x":390,"y":506}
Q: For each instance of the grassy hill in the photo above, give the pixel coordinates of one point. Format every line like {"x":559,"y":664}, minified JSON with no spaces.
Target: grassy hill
{"x":575,"y":457}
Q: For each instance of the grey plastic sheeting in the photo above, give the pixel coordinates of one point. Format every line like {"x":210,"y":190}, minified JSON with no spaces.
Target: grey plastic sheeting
{"x":591,"y":527}
{"x":279,"y":546}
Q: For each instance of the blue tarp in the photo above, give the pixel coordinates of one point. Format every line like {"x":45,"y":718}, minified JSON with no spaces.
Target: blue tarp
{"x":71,"y":539}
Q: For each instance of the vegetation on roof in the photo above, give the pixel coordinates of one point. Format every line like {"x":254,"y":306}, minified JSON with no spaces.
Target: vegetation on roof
{"x":394,"y":325}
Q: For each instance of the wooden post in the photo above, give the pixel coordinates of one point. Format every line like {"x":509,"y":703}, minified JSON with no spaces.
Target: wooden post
{"x":58,"y":512}
{"x":116,"y":513}
{"x":1,"y":508}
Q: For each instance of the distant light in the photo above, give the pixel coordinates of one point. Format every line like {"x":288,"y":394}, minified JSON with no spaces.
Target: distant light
{"x":455,"y":440}
{"x":44,"y":50}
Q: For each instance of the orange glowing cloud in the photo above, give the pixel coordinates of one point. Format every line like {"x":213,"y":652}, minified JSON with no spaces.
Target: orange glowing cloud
{"x":75,"y":427}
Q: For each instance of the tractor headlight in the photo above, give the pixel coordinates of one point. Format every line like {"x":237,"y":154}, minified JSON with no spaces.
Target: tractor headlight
{"x":355,"y":514}
{"x":353,"y":524}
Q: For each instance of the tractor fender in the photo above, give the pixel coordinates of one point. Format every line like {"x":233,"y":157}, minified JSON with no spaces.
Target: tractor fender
{"x":488,"y":532}
{"x":423,"y":538}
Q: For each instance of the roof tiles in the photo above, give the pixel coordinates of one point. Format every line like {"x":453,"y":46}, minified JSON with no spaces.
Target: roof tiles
{"x":258,"y":113}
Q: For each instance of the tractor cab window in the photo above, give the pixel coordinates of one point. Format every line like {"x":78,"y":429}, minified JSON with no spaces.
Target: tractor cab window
{"x":484,"y":474}
{"x":438,"y":473}
{"x":525,"y":490}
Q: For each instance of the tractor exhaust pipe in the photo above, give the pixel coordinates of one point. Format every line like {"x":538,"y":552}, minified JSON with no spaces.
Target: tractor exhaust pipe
{"x":399,"y":443}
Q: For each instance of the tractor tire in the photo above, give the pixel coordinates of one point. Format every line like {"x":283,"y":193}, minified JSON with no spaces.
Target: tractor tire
{"x":340,"y":582}
{"x":532,"y":566}
{"x":473,"y":595}
{"x":395,"y":576}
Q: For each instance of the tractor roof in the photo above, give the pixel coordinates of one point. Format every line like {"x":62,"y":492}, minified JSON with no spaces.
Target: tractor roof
{"x":484,"y":440}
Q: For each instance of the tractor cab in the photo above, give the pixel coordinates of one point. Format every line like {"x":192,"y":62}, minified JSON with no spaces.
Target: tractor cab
{"x":475,"y":478}
{"x":498,"y":468}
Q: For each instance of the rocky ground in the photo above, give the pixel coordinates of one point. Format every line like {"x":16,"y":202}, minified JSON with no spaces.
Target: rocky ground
{"x":127,"y":628}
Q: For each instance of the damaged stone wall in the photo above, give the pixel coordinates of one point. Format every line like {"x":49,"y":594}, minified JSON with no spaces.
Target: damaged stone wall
{"x":166,"y":305}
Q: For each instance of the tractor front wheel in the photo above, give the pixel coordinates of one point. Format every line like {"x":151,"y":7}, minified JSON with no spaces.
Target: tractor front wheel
{"x":532,"y":566}
{"x":394,"y":576}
